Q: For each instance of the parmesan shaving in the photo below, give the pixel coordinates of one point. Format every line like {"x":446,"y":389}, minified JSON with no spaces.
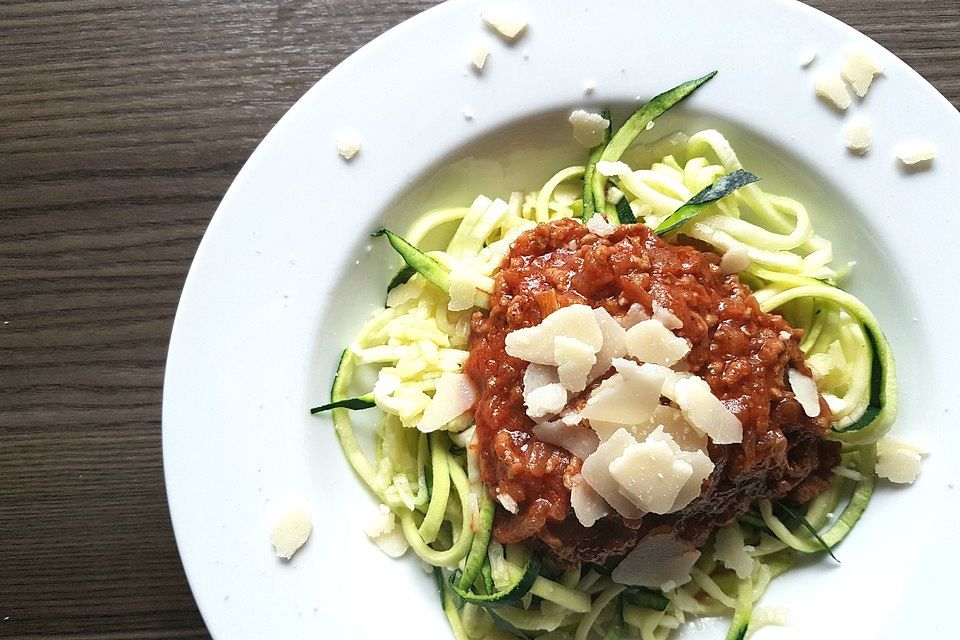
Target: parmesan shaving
{"x":510,"y":22}
{"x":657,"y":560}
{"x":899,"y":460}
{"x":859,"y":70}
{"x":599,"y":226}
{"x":587,"y":504}
{"x":916,"y":152}
{"x":734,"y":260}
{"x":580,"y":441}
{"x":290,"y":532}
{"x":651,"y":341}
{"x":454,"y":396}
{"x":831,"y":89}
{"x":383,"y":532}
{"x":859,"y":135}
{"x":588,"y":128}
{"x":348,"y":145}
{"x":805,"y":390}
{"x":706,"y":412}
{"x":731,"y":551}
{"x":574,"y":359}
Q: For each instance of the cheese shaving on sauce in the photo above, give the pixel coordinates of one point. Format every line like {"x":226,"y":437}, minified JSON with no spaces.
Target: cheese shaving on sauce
{"x":587,"y":504}
{"x":805,"y":391}
{"x":651,"y":341}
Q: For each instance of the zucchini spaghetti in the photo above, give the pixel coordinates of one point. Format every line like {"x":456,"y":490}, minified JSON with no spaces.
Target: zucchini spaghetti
{"x":459,"y":493}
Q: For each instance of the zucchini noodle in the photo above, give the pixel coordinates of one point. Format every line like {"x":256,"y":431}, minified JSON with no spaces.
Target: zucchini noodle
{"x":431,"y":483}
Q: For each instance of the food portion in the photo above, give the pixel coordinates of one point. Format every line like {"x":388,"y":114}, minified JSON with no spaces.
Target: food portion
{"x":636,"y":279}
{"x":626,"y":400}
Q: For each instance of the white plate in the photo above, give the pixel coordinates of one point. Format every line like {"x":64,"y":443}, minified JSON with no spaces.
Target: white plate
{"x":285,"y":273}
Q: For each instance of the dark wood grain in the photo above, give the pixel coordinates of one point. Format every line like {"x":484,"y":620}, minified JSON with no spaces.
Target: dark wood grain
{"x":121,"y":125}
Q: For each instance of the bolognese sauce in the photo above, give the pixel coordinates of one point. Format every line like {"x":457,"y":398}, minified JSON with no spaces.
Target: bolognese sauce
{"x":743,"y":353}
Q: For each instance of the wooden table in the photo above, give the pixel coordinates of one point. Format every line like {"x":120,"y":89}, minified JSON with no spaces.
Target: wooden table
{"x":122,"y":122}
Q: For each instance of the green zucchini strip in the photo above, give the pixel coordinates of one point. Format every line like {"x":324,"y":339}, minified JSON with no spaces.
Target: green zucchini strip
{"x":881,"y":409}
{"x":440,"y":491}
{"x":637,"y":124}
{"x":646,"y":598}
{"x":624,"y":212}
{"x":803,"y":522}
{"x":450,"y":606}
{"x":402,"y":277}
{"x":477,"y":558}
{"x":568,"y":598}
{"x":694,"y":206}
{"x":615,"y":630}
{"x":344,"y":429}
{"x":586,"y":623}
{"x":506,"y":596}
{"x":426,"y":266}
{"x":462,"y":541}
{"x":741,"y":615}
{"x":360,"y":402}
{"x":589,"y":199}
{"x":866,"y":465}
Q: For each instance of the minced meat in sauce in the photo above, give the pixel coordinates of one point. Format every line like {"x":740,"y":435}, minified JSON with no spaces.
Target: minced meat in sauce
{"x":742,"y":352}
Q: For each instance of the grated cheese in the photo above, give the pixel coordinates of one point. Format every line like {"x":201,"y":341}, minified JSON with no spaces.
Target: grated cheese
{"x":730,"y":550}
{"x":574,"y":359}
{"x":598,"y":225}
{"x":899,"y":460}
{"x":734,"y":260}
{"x":578,"y":440}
